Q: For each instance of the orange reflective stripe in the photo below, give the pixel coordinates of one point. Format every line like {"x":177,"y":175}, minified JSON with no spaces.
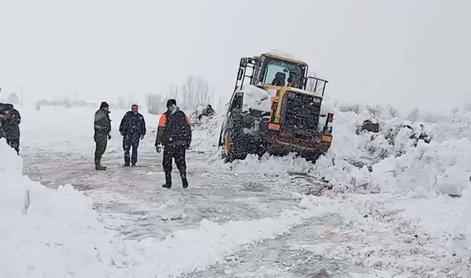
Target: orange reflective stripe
{"x":163,"y":120}
{"x":274,"y":126}
{"x":187,"y":119}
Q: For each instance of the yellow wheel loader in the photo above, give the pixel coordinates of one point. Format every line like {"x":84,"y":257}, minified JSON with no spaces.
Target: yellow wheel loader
{"x":275,"y":108}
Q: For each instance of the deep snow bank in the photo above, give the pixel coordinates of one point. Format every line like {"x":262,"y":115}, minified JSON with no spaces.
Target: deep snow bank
{"x":393,"y":160}
{"x":399,"y":162}
{"x":47,"y":233}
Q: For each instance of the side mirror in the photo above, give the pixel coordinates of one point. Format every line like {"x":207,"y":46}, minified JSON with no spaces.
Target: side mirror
{"x":243,"y":62}
{"x":240,"y":74}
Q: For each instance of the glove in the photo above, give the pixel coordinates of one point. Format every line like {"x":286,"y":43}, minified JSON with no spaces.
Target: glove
{"x":109,"y":137}
{"x":158,"y":149}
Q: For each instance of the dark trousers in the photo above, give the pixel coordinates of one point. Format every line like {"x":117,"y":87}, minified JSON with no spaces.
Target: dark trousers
{"x":177,"y":153}
{"x":130,"y":141}
{"x":15,"y":144}
{"x":101,"y":142}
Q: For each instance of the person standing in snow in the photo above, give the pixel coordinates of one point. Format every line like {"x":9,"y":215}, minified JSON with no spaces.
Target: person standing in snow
{"x":174,"y":133}
{"x":102,"y":133}
{"x":10,"y":125}
{"x":133,"y":129}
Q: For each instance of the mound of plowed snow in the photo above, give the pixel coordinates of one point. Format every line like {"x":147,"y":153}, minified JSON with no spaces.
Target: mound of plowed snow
{"x":47,"y":233}
{"x":392,"y":160}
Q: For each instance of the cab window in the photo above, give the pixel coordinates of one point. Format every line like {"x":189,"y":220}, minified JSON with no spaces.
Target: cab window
{"x":281,"y":73}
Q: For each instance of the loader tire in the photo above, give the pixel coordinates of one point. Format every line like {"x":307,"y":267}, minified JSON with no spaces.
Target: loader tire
{"x":233,"y":149}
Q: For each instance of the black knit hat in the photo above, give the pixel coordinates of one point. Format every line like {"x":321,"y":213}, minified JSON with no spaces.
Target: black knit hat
{"x":104,"y":104}
{"x":171,"y":102}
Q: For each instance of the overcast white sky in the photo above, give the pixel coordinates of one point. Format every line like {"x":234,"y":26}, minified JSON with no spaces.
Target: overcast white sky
{"x":407,"y":53}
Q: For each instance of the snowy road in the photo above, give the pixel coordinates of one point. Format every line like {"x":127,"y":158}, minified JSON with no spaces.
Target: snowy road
{"x":241,"y":222}
{"x":136,"y":195}
{"x":324,"y":244}
{"x":131,"y":201}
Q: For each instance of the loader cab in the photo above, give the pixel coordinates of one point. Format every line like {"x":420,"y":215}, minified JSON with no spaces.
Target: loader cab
{"x":268,"y":70}
{"x":295,"y":97}
{"x":279,"y":71}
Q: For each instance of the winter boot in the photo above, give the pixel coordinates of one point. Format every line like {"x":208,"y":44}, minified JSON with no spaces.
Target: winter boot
{"x":184,"y":180}
{"x":98,"y":165}
{"x":168,"y":180}
{"x":126,"y":160}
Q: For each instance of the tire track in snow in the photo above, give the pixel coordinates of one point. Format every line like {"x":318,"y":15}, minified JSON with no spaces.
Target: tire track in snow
{"x":187,"y":251}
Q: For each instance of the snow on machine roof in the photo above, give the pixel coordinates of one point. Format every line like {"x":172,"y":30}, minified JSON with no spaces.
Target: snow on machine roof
{"x":284,"y":56}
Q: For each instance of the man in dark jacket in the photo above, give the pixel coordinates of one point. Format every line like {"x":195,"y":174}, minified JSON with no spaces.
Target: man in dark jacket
{"x":174,"y":133}
{"x":133,"y":129}
{"x":102,"y":133}
{"x":10,"y":125}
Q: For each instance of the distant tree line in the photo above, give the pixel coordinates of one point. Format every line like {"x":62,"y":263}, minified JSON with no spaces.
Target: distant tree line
{"x":191,"y":95}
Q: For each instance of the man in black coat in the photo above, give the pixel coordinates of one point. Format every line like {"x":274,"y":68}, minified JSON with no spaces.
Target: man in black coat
{"x":10,"y":125}
{"x":174,"y":133}
{"x":133,"y":129}
{"x":102,"y":133}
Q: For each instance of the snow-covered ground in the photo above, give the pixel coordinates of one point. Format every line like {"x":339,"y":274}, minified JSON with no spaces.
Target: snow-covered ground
{"x":388,"y":213}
